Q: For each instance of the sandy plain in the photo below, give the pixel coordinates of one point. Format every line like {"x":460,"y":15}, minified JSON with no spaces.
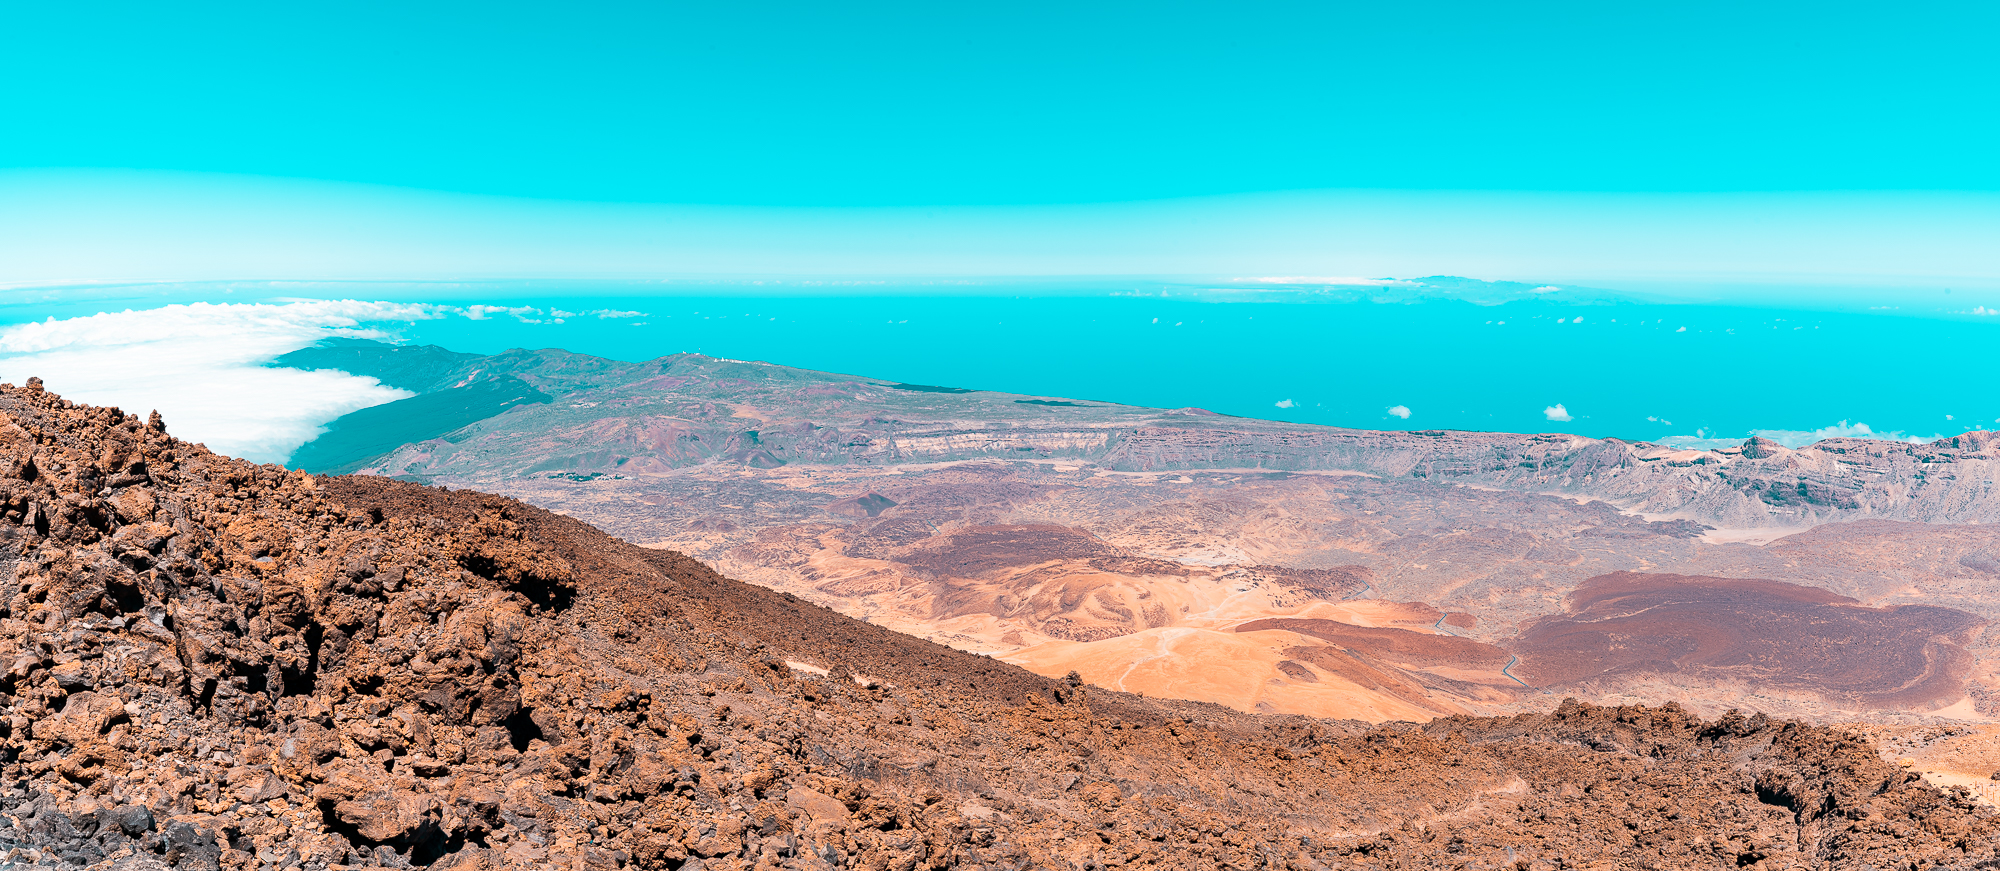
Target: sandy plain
{"x":1164,"y":584}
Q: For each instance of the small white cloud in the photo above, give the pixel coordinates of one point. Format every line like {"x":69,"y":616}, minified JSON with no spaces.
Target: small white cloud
{"x":1546,"y":288}
{"x":1983,"y":311}
{"x":559,"y":314}
{"x":1681,"y":330}
{"x":1949,"y":417}
{"x":1562,"y":320}
{"x":1576,"y":320}
{"x":1285,"y":403}
{"x":1557,"y":413}
{"x":1402,"y":411}
{"x":1659,"y":420}
{"x":526,"y":314}
{"x":609,"y":313}
{"x":1842,"y":430}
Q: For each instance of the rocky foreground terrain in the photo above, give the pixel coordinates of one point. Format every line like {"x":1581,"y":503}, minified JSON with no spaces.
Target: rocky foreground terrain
{"x":213,"y":664}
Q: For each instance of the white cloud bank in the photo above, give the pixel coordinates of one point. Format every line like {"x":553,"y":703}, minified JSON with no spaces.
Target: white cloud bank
{"x":528,"y":314}
{"x":524,"y":313}
{"x":1557,"y":413}
{"x":1798,"y":438}
{"x":1792,"y":438}
{"x":602,"y":314}
{"x":201,"y":366}
{"x":1336,"y":280}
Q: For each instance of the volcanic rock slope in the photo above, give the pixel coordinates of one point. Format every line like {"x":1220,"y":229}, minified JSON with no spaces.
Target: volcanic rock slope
{"x":217,"y":664}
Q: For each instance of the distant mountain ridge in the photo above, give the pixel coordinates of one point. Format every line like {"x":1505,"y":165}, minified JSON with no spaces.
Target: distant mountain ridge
{"x":416,"y":368}
{"x":578,"y":414}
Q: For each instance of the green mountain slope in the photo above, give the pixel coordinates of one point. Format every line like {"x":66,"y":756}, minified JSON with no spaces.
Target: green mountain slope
{"x":356,"y":438}
{"x":416,"y":368}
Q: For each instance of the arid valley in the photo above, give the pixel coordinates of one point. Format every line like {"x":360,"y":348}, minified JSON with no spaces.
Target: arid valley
{"x":1332,"y":573}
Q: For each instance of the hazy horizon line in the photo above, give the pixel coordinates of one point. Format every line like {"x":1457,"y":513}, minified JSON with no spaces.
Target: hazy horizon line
{"x":79,"y":227}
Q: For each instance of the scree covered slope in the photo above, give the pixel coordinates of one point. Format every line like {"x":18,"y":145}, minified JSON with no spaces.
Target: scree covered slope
{"x":211,"y":664}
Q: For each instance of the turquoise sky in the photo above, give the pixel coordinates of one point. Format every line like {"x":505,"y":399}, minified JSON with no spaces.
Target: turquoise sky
{"x":962,"y":193}
{"x":1693,"y":149}
{"x":897,"y":104}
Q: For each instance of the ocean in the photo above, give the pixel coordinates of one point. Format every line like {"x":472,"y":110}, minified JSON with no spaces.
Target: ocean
{"x":1635,"y":371}
{"x":1594,"y":365}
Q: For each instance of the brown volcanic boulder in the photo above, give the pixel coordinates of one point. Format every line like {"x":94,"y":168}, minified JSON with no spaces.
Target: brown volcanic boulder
{"x":212,"y":664}
{"x":84,"y":718}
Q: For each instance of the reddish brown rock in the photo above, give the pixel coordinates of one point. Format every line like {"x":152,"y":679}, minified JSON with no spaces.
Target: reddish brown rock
{"x":1636,"y":624}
